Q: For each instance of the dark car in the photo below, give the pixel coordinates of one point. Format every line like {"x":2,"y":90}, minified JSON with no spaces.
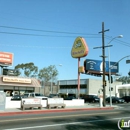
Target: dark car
{"x":16,"y":98}
{"x":115,"y":100}
{"x":90,"y":98}
{"x":70,"y":96}
{"x":126,"y":98}
{"x":53,"y":96}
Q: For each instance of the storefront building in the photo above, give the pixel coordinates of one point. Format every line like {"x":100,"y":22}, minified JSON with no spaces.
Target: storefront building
{"x":123,"y":90}
{"x":13,"y":85}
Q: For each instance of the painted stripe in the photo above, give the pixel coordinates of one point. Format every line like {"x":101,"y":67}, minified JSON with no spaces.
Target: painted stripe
{"x":72,"y":123}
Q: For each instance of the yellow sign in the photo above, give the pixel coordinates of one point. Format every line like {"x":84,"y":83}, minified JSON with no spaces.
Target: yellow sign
{"x":80,"y":48}
{"x":81,"y":69}
{"x":16,"y":80}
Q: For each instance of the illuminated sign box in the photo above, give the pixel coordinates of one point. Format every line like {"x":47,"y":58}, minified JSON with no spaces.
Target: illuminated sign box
{"x":16,"y":80}
{"x":81,"y":69}
{"x":80,"y":48}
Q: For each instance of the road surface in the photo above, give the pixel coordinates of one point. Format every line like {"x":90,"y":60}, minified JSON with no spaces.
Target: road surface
{"x":77,"y":120}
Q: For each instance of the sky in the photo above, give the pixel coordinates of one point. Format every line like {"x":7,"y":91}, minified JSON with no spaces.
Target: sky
{"x":44,"y":31}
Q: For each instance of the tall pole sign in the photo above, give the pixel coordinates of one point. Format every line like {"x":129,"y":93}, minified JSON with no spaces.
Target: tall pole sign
{"x":79,"y":49}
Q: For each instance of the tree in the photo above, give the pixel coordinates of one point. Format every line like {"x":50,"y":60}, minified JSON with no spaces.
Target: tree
{"x":48,"y":73}
{"x":124,"y":79}
{"x":28,"y":69}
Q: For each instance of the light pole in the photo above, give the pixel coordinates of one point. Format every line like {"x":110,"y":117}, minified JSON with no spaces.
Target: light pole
{"x":52,"y":78}
{"x":120,"y":36}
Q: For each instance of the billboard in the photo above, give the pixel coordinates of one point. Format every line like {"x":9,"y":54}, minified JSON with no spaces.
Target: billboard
{"x":96,"y":66}
{"x":6,"y":59}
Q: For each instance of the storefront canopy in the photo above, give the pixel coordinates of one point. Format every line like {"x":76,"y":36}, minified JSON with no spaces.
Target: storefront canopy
{"x":18,"y":81}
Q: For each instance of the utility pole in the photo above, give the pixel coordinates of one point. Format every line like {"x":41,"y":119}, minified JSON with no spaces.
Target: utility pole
{"x":103,"y":60}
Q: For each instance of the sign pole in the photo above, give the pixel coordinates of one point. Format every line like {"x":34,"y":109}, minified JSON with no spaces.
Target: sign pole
{"x":79,"y":49}
{"x":78,"y":79}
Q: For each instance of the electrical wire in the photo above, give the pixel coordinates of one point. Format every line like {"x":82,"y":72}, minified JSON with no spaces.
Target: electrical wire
{"x":45,"y":30}
{"x":59,"y":32}
{"x":44,"y":35}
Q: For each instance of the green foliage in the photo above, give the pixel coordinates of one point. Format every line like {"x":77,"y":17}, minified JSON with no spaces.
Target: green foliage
{"x":124,"y":80}
{"x":48,"y":73}
{"x":29,"y":69}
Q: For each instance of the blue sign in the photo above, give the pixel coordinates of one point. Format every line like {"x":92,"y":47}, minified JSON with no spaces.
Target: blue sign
{"x":97,"y":66}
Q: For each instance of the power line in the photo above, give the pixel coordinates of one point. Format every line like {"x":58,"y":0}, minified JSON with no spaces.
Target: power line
{"x":41,"y":47}
{"x":44,"y":35}
{"x":18,"y":28}
{"x":59,"y":32}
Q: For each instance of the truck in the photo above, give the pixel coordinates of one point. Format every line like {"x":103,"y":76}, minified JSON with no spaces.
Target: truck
{"x":35,"y":95}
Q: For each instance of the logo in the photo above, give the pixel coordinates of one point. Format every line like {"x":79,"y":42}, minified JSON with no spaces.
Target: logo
{"x":91,"y":63}
{"x":123,"y":124}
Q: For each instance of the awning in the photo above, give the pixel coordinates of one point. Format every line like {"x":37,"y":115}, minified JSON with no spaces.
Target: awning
{"x":19,"y":81}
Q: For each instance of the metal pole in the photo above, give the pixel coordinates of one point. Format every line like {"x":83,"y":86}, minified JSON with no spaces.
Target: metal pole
{"x":103,"y":59}
{"x":109,"y":76}
{"x":120,"y":36}
{"x":78,"y":78}
{"x":51,"y":83}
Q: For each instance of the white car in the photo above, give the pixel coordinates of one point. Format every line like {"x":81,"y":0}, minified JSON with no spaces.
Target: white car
{"x":36,"y":95}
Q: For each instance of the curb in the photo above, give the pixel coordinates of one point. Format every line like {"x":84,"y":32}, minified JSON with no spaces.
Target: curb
{"x":52,"y":111}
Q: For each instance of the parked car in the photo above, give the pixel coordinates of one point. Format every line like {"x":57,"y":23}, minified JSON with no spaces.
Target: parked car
{"x":69,"y":98}
{"x":16,"y":98}
{"x":36,"y":95}
{"x":115,"y":100}
{"x":53,"y":96}
{"x":90,"y":98}
{"x":126,"y":98}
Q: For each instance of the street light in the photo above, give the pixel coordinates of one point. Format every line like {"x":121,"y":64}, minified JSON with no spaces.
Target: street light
{"x":52,"y":78}
{"x":120,"y":36}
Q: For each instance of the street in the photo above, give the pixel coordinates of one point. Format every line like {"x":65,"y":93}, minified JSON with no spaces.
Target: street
{"x":77,"y":120}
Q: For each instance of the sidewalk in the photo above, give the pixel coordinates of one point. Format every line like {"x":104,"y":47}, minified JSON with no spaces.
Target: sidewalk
{"x":85,"y":107}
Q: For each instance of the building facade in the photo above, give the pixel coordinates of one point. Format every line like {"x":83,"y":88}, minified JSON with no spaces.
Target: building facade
{"x":87,"y":86}
{"x":13,"y":85}
{"x":123,"y":90}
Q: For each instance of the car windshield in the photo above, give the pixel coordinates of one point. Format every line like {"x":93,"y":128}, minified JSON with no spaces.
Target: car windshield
{"x":26,"y":94}
{"x":16,"y":96}
{"x":116,"y":98}
{"x":96,"y":96}
{"x":38,"y":94}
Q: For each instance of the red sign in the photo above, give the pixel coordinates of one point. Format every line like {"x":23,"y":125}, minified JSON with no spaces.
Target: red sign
{"x":6,"y":59}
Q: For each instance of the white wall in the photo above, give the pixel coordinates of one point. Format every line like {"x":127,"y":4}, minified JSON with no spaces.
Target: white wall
{"x":17,"y":104}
